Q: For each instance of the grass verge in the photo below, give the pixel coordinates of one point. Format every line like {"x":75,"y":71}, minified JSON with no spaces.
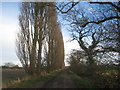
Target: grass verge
{"x":80,"y":82}
{"x":33,"y":80}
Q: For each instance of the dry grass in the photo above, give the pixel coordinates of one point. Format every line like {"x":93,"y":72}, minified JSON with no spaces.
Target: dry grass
{"x":13,"y":82}
{"x":12,"y":76}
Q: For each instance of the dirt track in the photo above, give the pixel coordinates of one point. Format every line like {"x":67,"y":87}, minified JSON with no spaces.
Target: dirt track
{"x":63,"y":80}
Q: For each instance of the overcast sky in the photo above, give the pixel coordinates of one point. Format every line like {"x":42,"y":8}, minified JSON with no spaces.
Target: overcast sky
{"x":9,"y":28}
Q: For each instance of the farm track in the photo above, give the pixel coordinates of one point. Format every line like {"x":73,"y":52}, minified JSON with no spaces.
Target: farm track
{"x":62,"y":80}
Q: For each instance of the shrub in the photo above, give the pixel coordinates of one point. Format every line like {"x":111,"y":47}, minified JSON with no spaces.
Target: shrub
{"x":79,"y":69}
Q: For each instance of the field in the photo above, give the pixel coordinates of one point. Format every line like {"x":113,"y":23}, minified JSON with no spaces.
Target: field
{"x":9,"y":75}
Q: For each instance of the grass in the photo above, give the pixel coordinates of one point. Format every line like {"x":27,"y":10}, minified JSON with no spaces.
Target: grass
{"x":106,"y":78}
{"x":113,"y":71}
{"x":31,"y":81}
{"x":12,"y":76}
{"x":80,"y":82}
{"x":102,"y":77}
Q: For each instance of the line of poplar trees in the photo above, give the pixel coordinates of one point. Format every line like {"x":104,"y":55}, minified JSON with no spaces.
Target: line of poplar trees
{"x":39,"y":43}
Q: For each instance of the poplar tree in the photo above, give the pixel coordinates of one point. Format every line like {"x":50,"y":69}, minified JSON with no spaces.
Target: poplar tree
{"x":39,"y":38}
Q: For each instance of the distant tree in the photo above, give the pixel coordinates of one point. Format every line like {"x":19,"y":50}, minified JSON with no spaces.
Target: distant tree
{"x":77,"y":59}
{"x":79,"y":56}
{"x":9,"y":64}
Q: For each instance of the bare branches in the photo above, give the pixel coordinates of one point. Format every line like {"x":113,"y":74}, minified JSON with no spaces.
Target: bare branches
{"x":39,"y":38}
{"x":98,"y":22}
{"x":72,"y":6}
{"x":110,"y":3}
{"x":82,"y":28}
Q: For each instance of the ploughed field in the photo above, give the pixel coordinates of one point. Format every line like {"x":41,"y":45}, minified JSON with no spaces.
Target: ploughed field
{"x":12,"y":74}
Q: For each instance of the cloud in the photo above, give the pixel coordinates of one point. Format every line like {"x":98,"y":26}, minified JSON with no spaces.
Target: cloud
{"x":8,"y":34}
{"x":7,"y":43}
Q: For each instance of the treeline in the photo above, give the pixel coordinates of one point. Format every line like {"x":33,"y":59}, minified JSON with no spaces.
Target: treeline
{"x":15,"y":67}
{"x":40,"y":45}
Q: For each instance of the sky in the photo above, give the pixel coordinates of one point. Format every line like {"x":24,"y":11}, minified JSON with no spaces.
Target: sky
{"x":9,"y":28}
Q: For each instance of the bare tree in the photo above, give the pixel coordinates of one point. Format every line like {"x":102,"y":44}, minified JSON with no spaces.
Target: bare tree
{"x":92,"y":30}
{"x":55,"y":40}
{"x":37,"y":21}
{"x":29,"y":42}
